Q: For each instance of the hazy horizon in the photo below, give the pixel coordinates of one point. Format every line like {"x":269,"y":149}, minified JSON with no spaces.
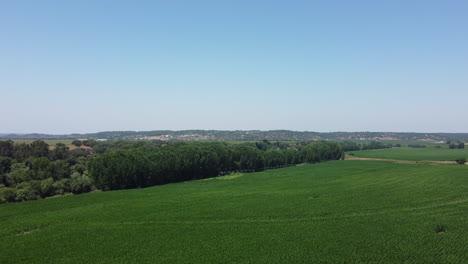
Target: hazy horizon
{"x":90,"y":66}
{"x":92,"y":132}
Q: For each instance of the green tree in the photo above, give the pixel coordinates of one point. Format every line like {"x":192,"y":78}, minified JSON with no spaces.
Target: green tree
{"x":22,"y":151}
{"x":19,"y":173}
{"x":6,"y":148}
{"x":77,"y":143}
{"x":39,"y":149}
{"x":7,"y":195}
{"x":60,"y":152}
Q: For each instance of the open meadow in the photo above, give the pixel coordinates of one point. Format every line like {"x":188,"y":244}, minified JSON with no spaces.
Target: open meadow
{"x":332,"y":212}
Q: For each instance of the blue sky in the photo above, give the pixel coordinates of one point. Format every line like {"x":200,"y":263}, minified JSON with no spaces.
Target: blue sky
{"x":87,"y":66}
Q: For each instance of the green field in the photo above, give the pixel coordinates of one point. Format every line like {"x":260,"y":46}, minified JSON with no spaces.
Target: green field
{"x":334,"y":212}
{"x":413,"y":153}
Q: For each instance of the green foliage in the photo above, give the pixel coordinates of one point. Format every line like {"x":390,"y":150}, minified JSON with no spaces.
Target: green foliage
{"x":40,"y":167}
{"x":349,"y":145}
{"x":182,"y":162}
{"x":62,"y":187}
{"x":80,"y":183}
{"x":7,"y":194}
{"x":58,"y":170}
{"x":416,"y":146}
{"x":47,"y":187}
{"x":60,"y":152}
{"x":19,"y":173}
{"x":29,"y":190}
{"x":5,"y":165}
{"x":22,"y":151}
{"x":461,"y":161}
{"x":39,"y":149}
{"x":6,"y":148}
{"x":77,"y":143}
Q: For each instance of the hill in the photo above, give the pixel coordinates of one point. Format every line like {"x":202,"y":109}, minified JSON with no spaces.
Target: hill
{"x":250,"y":135}
{"x":333,"y":212}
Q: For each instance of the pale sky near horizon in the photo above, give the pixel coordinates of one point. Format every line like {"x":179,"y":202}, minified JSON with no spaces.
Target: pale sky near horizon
{"x":88,"y":66}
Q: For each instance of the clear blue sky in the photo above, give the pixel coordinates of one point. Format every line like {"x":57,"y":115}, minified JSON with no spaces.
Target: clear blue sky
{"x":87,"y":66}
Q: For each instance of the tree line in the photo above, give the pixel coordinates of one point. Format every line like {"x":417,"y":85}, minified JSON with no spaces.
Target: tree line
{"x":37,"y":170}
{"x":353,"y":146}
{"x":178,"y":162}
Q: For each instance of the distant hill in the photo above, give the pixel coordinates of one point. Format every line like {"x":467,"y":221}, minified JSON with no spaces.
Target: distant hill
{"x":247,"y":135}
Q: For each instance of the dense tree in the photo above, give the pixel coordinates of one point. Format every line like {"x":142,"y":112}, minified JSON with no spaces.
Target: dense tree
{"x":19,"y":173}
{"x":77,"y":143}
{"x":39,"y":149}
{"x":5,"y":165}
{"x":181,"y":162}
{"x":6,"y":148}
{"x":22,"y":151}
{"x":349,"y":145}
{"x":60,"y":152}
{"x":133,"y":164}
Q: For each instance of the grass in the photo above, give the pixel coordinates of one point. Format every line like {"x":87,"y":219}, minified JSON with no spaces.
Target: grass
{"x":413,"y":154}
{"x":334,"y":212}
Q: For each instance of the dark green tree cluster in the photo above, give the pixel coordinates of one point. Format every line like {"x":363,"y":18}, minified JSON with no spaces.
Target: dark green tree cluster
{"x":416,"y":146}
{"x":32,"y":171}
{"x":351,"y":145}
{"x":459,"y":145}
{"x":176,"y":162}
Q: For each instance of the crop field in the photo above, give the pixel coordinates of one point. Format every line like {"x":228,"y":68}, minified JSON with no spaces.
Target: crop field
{"x":333,"y":212}
{"x":443,"y":154}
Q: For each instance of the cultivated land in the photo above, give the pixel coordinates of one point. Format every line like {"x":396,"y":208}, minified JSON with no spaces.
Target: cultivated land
{"x":333,"y":212}
{"x":416,"y":154}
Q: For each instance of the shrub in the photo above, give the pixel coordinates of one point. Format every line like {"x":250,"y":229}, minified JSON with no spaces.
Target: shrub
{"x":461,"y":160}
{"x":77,"y":143}
{"x":28,"y":191}
{"x":47,"y":187}
{"x":80,"y":183}
{"x":25,"y":194}
{"x":7,"y":195}
{"x":62,"y":186}
{"x":19,"y":173}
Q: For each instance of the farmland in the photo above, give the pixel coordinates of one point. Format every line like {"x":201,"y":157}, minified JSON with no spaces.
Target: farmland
{"x":443,"y":154}
{"x":332,"y":212}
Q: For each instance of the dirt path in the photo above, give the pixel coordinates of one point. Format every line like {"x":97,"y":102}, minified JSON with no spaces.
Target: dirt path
{"x":402,"y":161}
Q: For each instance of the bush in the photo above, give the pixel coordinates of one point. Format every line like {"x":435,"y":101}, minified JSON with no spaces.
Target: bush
{"x":26,"y":194}
{"x":461,"y":161}
{"x":30,"y":190}
{"x":80,"y":183}
{"x":19,"y":173}
{"x":62,"y":186}
{"x":76,"y":143}
{"x":7,"y":195}
{"x":47,"y":187}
